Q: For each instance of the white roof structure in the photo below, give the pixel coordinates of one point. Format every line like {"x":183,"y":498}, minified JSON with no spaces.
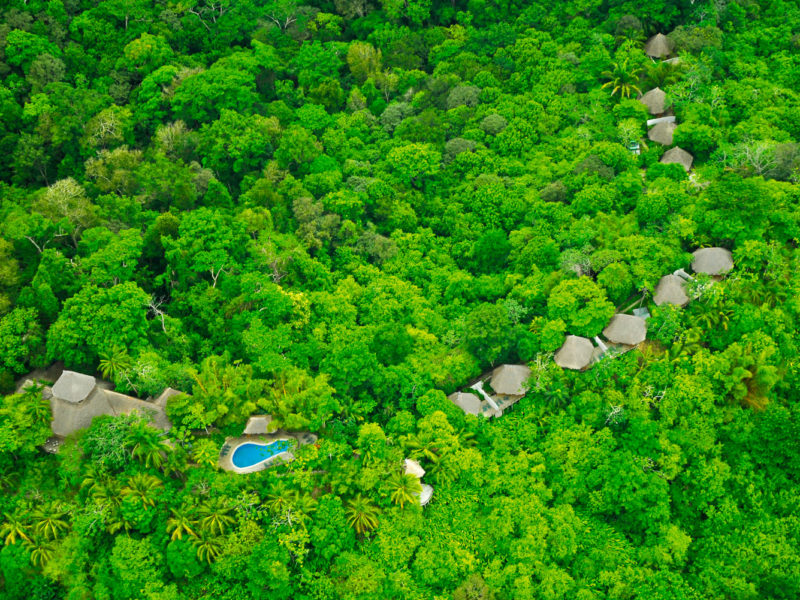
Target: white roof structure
{"x":467,"y":402}
{"x":425,"y":495}
{"x":575,"y":353}
{"x":657,"y":120}
{"x":74,"y":387}
{"x":258,"y":425}
{"x":712,"y":261}
{"x":414,"y":468}
{"x":626,"y":329}
{"x":670,"y":290}
{"x":510,"y":380}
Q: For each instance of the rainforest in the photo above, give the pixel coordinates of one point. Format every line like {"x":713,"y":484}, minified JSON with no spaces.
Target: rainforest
{"x":399,"y":299}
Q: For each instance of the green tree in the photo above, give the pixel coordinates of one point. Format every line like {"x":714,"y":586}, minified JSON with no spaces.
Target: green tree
{"x":623,"y":79}
{"x":96,"y":319}
{"x":21,"y":340}
{"x":403,"y":488}
{"x":362,"y":514}
{"x":582,"y":305}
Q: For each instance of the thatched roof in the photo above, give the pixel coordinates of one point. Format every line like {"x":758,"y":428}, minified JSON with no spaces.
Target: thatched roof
{"x":414,"y":468}
{"x":69,"y":417}
{"x":509,"y":380}
{"x":626,"y":329}
{"x":679,"y":156}
{"x":166,"y":395}
{"x":74,"y":387}
{"x":425,"y":495}
{"x":258,"y":425}
{"x":661,"y":133}
{"x":670,"y":290}
{"x":713,"y":261}
{"x":122,"y":405}
{"x":575,"y":353}
{"x":655,"y":100}
{"x":658,"y":46}
{"x":469,"y":403}
{"x":75,"y":400}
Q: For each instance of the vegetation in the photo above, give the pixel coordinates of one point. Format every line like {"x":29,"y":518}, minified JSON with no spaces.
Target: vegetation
{"x":339,"y":212}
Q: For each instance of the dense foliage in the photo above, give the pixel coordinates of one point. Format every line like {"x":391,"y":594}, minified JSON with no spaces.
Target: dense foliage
{"x":337,"y":213}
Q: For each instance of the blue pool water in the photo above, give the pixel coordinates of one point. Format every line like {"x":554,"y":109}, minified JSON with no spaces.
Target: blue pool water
{"x":249,"y":454}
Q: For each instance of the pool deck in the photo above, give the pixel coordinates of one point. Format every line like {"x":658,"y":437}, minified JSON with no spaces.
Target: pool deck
{"x":303,"y":438}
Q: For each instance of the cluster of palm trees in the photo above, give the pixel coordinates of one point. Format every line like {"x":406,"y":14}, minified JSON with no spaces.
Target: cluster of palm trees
{"x":38,"y":530}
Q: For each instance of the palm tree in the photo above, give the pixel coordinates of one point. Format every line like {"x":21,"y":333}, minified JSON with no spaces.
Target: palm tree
{"x":117,"y":522}
{"x":93,"y":477}
{"x":661,"y":74}
{"x":114,"y":363}
{"x":41,"y":551}
{"x":404,"y":488}
{"x":108,"y":493}
{"x":277,"y":498}
{"x":215,"y":516}
{"x":182,"y":521}
{"x":419,"y":446}
{"x":208,"y":547}
{"x":13,"y":528}
{"x":141,"y":488}
{"x":50,"y":521}
{"x":146,"y":445}
{"x":622,"y":80}
{"x":362,"y":514}
{"x":38,"y":406}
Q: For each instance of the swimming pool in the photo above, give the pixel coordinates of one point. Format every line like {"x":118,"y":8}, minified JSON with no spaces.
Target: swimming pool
{"x":250,"y":454}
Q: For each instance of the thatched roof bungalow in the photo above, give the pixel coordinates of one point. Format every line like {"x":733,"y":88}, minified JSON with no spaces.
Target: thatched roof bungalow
{"x":575,"y":353}
{"x":661,"y":133}
{"x":712,"y":261}
{"x":671,"y":289}
{"x":626,"y":329}
{"x":679,"y":156}
{"x":655,"y":100}
{"x":658,"y":46}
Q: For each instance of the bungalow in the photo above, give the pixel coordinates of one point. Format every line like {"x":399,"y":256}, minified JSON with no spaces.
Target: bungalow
{"x":658,"y":46}
{"x":712,"y":261}
{"x":627,"y":330}
{"x":76,"y":399}
{"x":679,"y":156}
{"x":661,"y":133}
{"x":508,"y":384}
{"x":671,"y":289}
{"x":655,"y":100}
{"x":575,"y":353}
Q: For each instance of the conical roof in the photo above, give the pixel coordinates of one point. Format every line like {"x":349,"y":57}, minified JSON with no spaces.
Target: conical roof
{"x":575,"y":353}
{"x":713,"y":261}
{"x":658,"y":46}
{"x":655,"y":100}
{"x":626,"y":329}
{"x":679,"y":156}
{"x":670,"y":290}
{"x":509,"y":380}
{"x":469,"y":403}
{"x":661,"y":133}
